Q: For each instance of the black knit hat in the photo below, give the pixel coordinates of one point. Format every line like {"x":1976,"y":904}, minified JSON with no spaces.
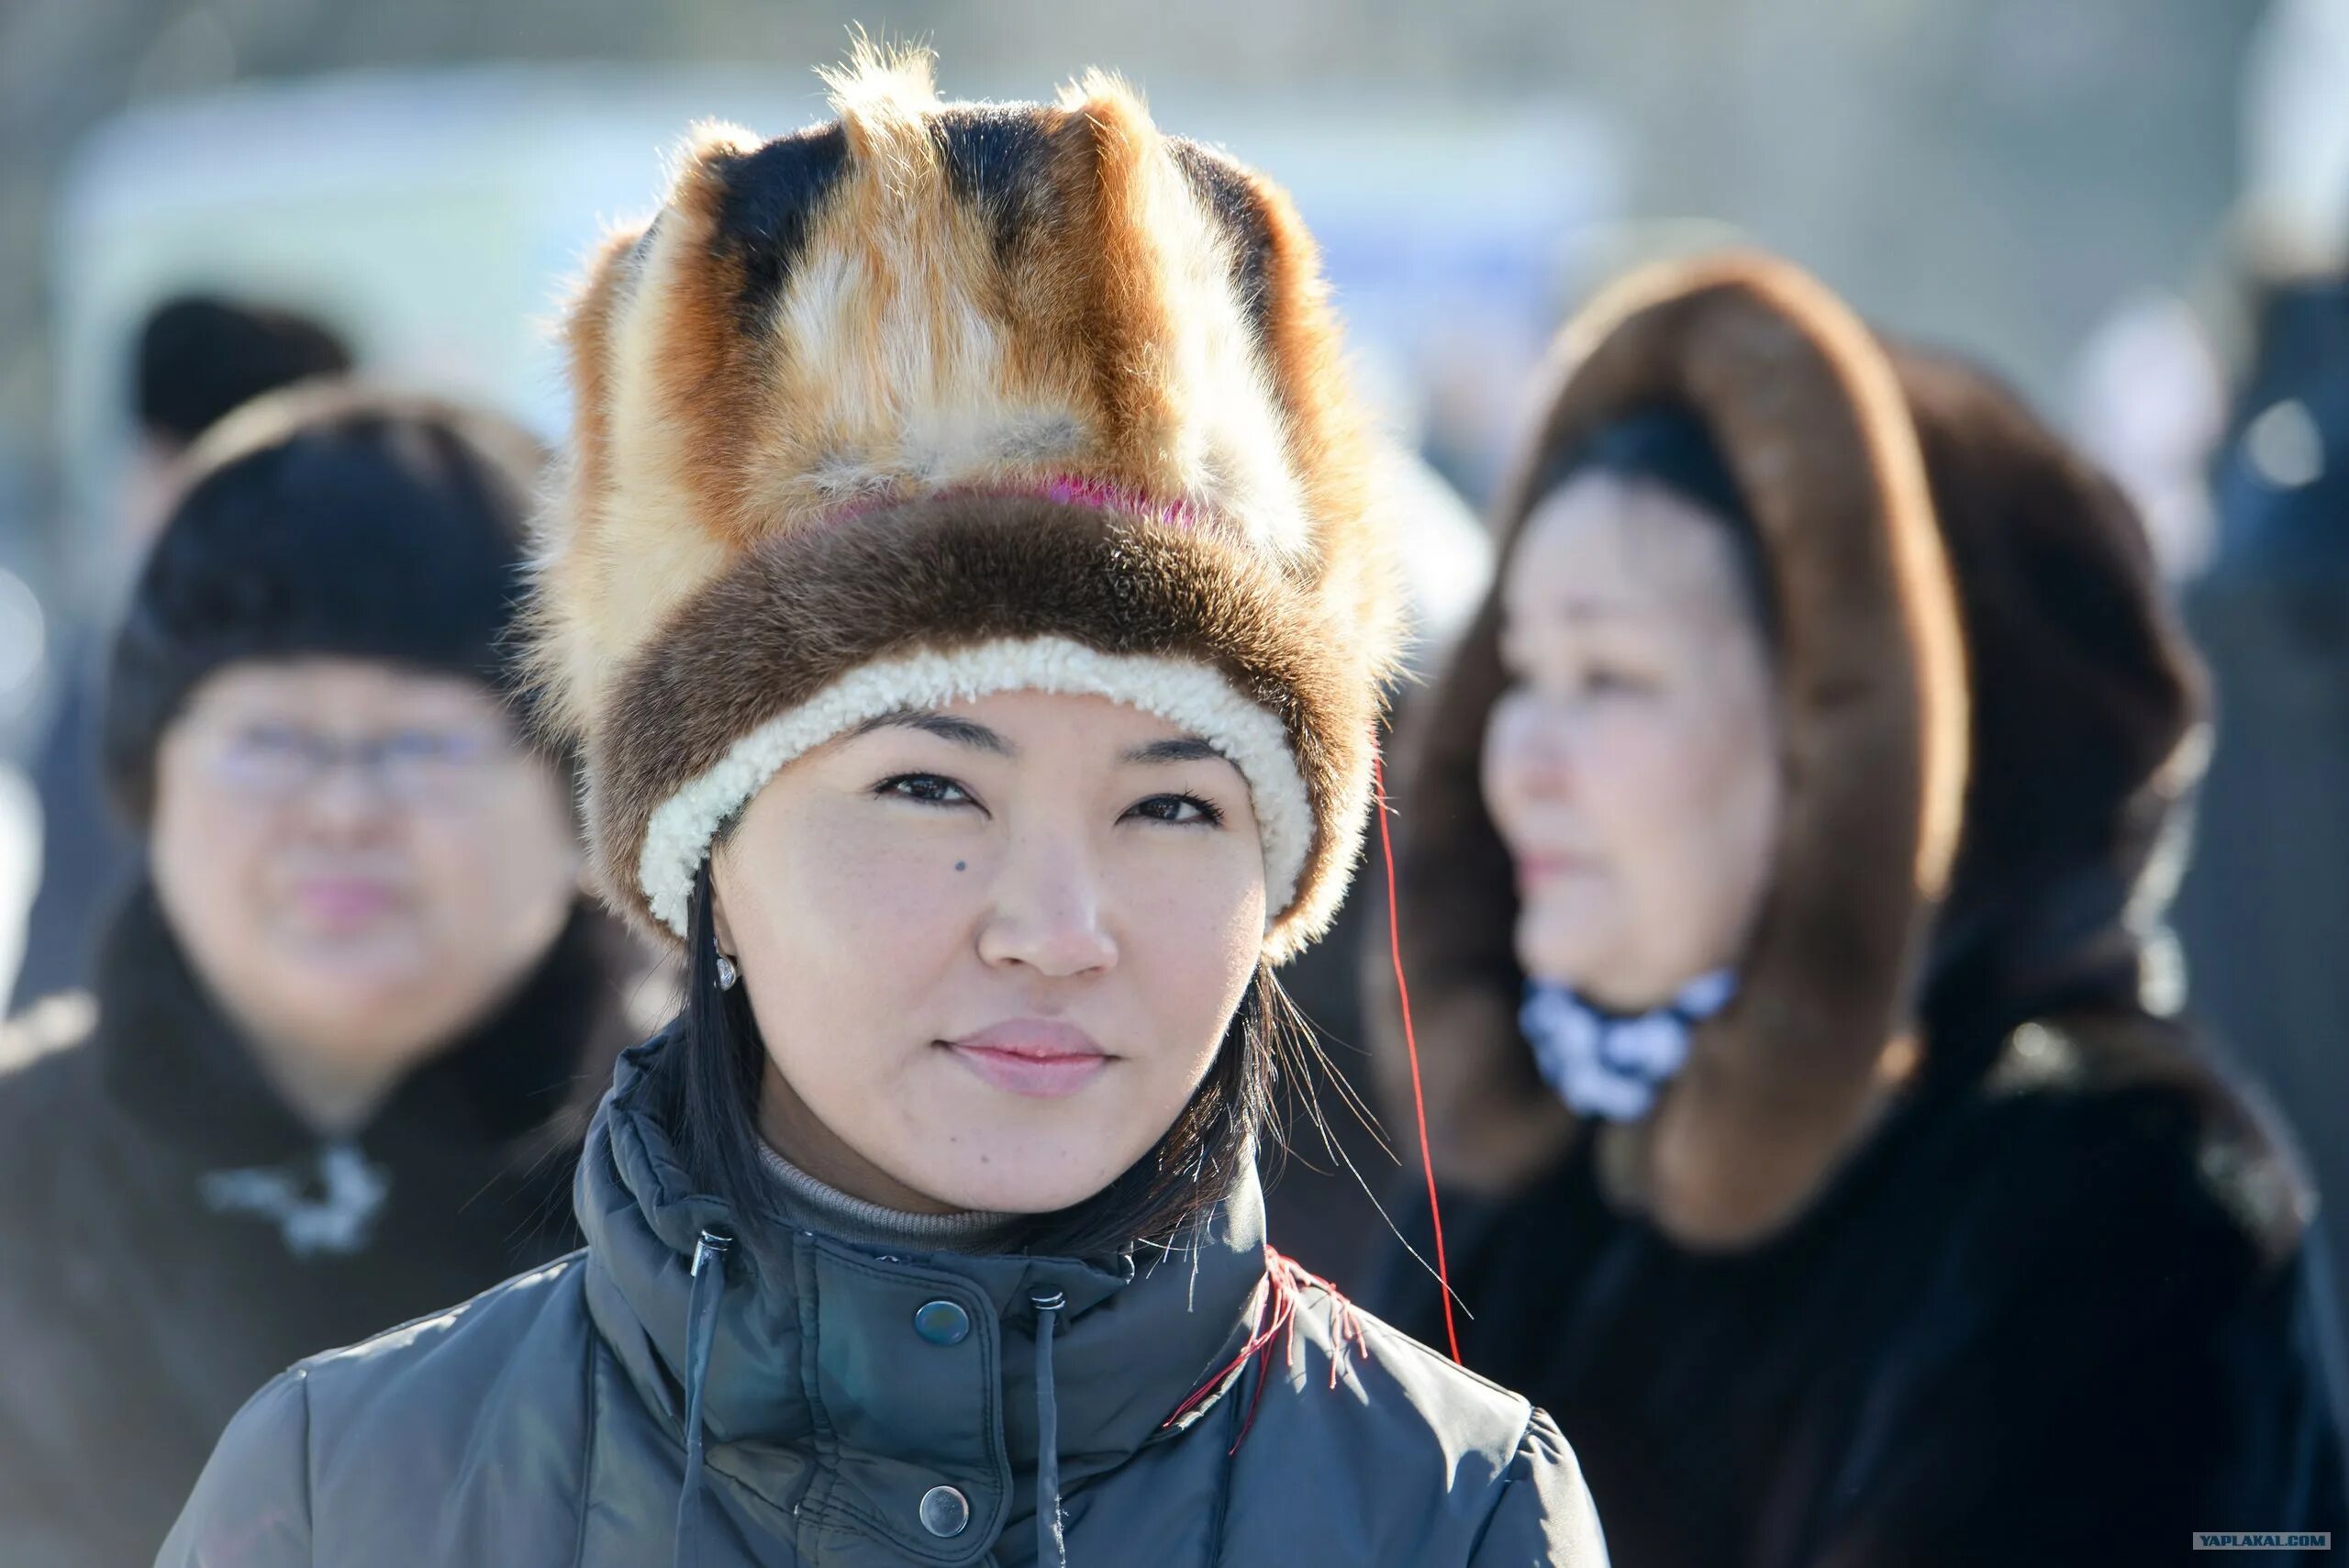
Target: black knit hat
{"x":333,"y":520}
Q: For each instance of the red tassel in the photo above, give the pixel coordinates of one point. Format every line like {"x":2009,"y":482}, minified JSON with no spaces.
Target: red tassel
{"x":1277,"y":1309}
{"x":1411,"y":1046}
{"x":1275,"y":1319}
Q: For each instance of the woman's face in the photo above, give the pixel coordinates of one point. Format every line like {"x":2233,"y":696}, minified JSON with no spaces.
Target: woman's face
{"x":992,"y":949}
{"x":1632,"y":765}
{"x":359,"y":862}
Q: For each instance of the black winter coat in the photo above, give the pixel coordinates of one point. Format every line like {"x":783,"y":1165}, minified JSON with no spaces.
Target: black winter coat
{"x":171,"y":1237}
{"x":2034,"y":1319}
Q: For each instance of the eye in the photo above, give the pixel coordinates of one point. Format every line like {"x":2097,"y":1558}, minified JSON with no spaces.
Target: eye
{"x":430,"y":746}
{"x":926,"y":789}
{"x":1180,"y":809}
{"x":1613,"y":680}
{"x":272,"y":738}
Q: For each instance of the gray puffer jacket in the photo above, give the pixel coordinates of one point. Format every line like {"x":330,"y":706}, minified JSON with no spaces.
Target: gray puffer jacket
{"x":686,"y":1390}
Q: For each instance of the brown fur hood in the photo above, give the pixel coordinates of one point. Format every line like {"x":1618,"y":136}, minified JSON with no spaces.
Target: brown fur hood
{"x":1955,"y":586}
{"x":936,"y":399}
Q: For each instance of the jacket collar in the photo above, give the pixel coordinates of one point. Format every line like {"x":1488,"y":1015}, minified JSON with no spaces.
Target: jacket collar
{"x":817,"y":1361}
{"x":184,"y":1073}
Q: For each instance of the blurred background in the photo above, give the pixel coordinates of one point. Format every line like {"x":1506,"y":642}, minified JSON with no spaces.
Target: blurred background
{"x":2138,"y":210}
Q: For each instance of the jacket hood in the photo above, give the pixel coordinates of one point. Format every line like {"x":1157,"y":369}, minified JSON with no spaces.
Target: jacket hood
{"x":1988,"y":715}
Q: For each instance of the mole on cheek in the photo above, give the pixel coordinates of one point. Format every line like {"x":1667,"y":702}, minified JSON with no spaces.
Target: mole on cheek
{"x":958,"y":865}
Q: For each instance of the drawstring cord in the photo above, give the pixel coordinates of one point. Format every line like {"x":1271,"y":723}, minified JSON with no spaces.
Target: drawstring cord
{"x":1052,"y":1543}
{"x":701,"y":1333}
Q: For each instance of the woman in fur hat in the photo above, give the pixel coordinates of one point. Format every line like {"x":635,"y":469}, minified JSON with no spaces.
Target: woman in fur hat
{"x":340,"y":1036}
{"x":964,"y":597}
{"x":1779,"y":886}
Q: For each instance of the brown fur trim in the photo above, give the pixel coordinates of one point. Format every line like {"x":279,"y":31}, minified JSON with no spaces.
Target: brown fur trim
{"x":797,"y":612}
{"x":1871,"y":675}
{"x":925,"y":299}
{"x":2090,"y":701}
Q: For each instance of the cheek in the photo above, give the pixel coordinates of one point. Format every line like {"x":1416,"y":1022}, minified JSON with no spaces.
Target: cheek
{"x":1505,"y":761}
{"x":862,"y":896}
{"x":211,"y":856}
{"x":493,"y":869}
{"x":1193,"y":926}
{"x":1698,"y":803}
{"x":845,"y":930}
{"x":1638,"y":781}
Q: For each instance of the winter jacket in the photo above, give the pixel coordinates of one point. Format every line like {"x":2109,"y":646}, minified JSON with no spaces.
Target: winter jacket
{"x":2037,"y":1289}
{"x":687,"y":1389}
{"x":172,"y":1236}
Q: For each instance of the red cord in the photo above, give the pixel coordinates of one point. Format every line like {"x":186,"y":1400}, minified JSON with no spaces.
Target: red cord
{"x":1411,"y":1045}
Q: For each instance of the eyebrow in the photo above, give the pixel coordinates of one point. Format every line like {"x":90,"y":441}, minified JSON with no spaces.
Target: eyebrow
{"x":961,"y":732}
{"x":979,"y":737}
{"x":1183,"y":749}
{"x":1584,"y":608}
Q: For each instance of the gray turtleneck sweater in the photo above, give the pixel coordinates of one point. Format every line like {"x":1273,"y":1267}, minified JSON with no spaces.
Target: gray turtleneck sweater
{"x":821,"y":1207}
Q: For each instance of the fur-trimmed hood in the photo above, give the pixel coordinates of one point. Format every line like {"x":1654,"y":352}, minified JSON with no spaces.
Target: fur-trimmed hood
{"x":1954,"y":587}
{"x":939,"y":399}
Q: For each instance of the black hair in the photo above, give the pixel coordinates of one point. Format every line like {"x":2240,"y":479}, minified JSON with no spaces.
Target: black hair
{"x":199,"y":357}
{"x":1669,"y":446}
{"x":710,"y":1078}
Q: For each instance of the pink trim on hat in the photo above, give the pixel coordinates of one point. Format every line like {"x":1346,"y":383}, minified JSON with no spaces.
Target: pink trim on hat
{"x":1067,"y":489}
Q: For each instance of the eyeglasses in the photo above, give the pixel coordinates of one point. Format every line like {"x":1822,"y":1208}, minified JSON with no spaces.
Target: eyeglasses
{"x":276,"y":761}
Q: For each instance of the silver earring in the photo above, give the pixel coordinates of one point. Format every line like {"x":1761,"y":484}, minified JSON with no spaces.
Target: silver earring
{"x":727,"y":974}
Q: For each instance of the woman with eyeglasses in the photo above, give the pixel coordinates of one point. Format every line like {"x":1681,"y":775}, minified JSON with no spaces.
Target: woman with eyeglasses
{"x":343,"y":1031}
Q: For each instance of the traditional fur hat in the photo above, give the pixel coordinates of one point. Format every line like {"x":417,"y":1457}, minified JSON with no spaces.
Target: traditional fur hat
{"x":941,"y":399}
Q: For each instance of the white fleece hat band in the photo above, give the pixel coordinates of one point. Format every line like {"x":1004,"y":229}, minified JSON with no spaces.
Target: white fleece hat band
{"x":1179,"y":690}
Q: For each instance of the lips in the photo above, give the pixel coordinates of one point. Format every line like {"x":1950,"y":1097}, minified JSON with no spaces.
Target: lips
{"x":1033,"y":1058}
{"x":1532,"y":870}
{"x":342,"y":902}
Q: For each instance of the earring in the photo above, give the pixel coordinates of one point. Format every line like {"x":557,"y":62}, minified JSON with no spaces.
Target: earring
{"x":727,"y":974}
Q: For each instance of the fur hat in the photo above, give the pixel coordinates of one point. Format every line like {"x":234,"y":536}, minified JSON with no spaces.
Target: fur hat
{"x":1989,"y":715}
{"x":329,"y":519}
{"x":936,"y":400}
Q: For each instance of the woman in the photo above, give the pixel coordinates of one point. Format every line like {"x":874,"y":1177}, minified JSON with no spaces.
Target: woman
{"x":332,"y":1065}
{"x":964,"y":595}
{"x":1818,"y":1147}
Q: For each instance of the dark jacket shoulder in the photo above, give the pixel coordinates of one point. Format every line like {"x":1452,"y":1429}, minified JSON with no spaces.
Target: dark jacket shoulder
{"x":404,"y":1416}
{"x":1498,"y":1470}
{"x":48,"y":1091}
{"x":2147,"y":1116}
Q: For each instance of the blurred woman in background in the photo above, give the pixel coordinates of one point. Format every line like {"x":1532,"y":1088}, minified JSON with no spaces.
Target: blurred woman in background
{"x":1780,"y":860}
{"x":343,"y":1032}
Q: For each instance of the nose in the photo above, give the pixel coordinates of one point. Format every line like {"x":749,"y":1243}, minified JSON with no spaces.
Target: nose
{"x":1046,"y":911}
{"x":346,"y":801}
{"x":1530,"y":752}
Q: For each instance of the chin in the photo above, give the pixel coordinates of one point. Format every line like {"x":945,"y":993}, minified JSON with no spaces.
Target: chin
{"x":1561,"y":952}
{"x":329,"y":1003}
